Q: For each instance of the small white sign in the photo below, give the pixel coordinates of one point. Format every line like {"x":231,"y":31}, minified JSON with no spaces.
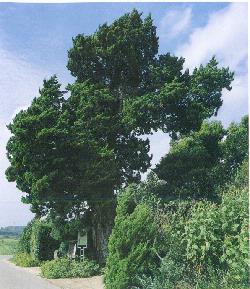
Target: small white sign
{"x":82,"y":239}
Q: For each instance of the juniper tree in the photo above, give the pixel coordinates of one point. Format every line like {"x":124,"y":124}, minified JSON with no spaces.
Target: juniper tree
{"x":71,"y":155}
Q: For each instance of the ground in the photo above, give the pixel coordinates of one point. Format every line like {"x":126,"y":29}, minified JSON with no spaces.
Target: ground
{"x":14,"y":277}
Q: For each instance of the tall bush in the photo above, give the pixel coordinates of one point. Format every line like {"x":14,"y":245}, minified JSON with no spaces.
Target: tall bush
{"x":42,"y":244}
{"x":37,"y":241}
{"x":132,"y":242}
{"x":24,"y":240}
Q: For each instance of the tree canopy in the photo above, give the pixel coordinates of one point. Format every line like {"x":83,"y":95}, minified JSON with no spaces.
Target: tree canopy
{"x":70,"y":155}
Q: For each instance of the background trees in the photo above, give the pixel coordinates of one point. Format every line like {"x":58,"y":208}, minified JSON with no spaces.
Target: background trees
{"x":235,"y":146}
{"x":199,"y":163}
{"x":70,"y":156}
{"x":191,"y":167}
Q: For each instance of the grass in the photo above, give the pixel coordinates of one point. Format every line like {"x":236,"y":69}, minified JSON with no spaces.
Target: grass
{"x":8,"y":246}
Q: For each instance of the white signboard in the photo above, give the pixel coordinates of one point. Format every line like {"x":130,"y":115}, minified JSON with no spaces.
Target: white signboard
{"x":82,"y":239}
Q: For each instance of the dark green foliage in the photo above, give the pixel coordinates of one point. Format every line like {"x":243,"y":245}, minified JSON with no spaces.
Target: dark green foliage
{"x":42,"y":244}
{"x":110,"y":149}
{"x":116,"y":55}
{"x":235,"y":146}
{"x":35,"y":149}
{"x":197,"y":244}
{"x":133,"y":239}
{"x":190,"y":169}
{"x":36,"y":241}
{"x":198,"y":164}
{"x":152,"y":92}
{"x":25,"y":238}
{"x":64,"y":268}
{"x":70,"y":155}
{"x":180,"y":105}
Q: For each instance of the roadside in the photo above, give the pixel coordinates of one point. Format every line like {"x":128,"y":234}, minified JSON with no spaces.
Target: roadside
{"x":79,"y":283}
{"x":33,"y":273}
{"x":13,"y":277}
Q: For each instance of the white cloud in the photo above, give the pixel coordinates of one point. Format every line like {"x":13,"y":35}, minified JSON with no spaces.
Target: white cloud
{"x":175,"y":22}
{"x":12,"y":211}
{"x":159,"y":147}
{"x":19,"y":83}
{"x":235,"y":102}
{"x":225,"y":36}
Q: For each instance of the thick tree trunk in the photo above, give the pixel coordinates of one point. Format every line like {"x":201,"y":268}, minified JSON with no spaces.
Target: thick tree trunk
{"x":102,"y":219}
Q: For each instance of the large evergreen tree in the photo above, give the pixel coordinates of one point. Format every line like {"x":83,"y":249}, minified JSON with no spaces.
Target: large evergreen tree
{"x":71,"y":156}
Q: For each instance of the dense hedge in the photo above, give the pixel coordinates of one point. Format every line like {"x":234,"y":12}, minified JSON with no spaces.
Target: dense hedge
{"x":25,"y":238}
{"x":64,"y":268}
{"x":212,"y":251}
{"x":133,"y":240}
{"x":36,"y":240}
{"x":42,"y":244}
{"x":180,"y":244}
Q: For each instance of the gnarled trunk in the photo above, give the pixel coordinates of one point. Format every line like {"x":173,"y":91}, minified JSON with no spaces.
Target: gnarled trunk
{"x":102,"y":220}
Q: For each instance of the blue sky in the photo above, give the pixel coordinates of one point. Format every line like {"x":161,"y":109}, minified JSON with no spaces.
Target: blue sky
{"x":34,"y":39}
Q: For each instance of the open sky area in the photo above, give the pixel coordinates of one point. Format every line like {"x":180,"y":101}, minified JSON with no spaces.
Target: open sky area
{"x":34,"y":39}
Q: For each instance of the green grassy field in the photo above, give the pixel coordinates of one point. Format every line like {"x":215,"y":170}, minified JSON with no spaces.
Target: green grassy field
{"x":8,"y":246}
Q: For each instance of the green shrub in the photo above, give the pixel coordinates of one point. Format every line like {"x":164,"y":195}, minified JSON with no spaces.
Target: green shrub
{"x":241,"y":179}
{"x":203,"y":236}
{"x":201,"y":244}
{"x":64,"y":268}
{"x":132,"y":242}
{"x":216,"y":279}
{"x":59,"y":268}
{"x":169,"y":276}
{"x":24,"y":240}
{"x":36,"y":240}
{"x":234,"y":217}
{"x":25,"y":260}
{"x":217,"y":235}
{"x":42,"y":244}
{"x":84,"y":269}
{"x":215,"y":243}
